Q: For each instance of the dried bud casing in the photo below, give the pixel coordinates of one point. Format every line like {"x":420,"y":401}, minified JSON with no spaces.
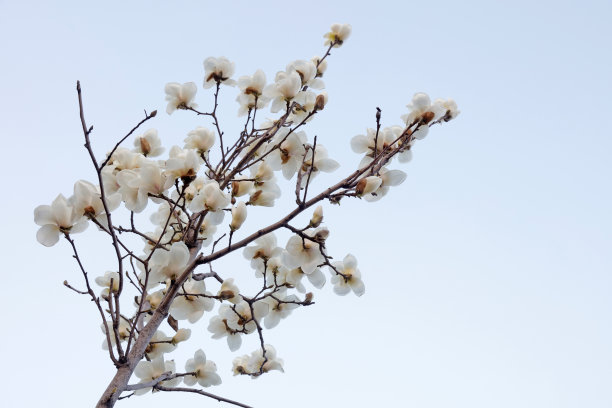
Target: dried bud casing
{"x":368,"y":185}
{"x":321,"y":235}
{"x":145,"y":146}
{"x":226,"y":294}
{"x":427,"y":117}
{"x":320,"y":102}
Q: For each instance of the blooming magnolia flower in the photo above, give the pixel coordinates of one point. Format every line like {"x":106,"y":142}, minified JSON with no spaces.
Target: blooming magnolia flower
{"x":183,"y":163}
{"x":321,"y":163}
{"x":389,"y":178}
{"x":57,"y":218}
{"x":284,"y":89}
{"x":218,"y":70}
{"x":320,"y":64}
{"x":105,"y":282}
{"x":191,"y":303}
{"x":368,"y":185}
{"x":288,"y":157}
{"x":148,"y":144}
{"x":205,"y":372}
{"x":180,"y":96}
{"x":338,"y":33}
{"x":210,"y":198}
{"x":169,"y":264}
{"x":233,"y":321}
{"x":280,"y":306}
{"x":87,"y":201}
{"x":200,"y":139}
{"x":256,"y":363}
{"x":159,"y":345}
{"x":303,"y":253}
{"x":351,"y":279}
{"x":251,"y":88}
{"x":150,"y":370}
{"x":307,"y":70}
{"x":294,"y":278}
{"x":263,"y":249}
{"x":123,"y":332}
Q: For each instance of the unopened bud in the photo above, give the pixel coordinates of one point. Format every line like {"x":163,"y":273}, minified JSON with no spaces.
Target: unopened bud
{"x":317,"y":217}
{"x":239,"y":214}
{"x":308,"y":298}
{"x":368,"y":185}
{"x":153,"y":114}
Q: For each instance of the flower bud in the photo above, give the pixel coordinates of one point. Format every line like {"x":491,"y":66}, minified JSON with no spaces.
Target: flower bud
{"x":308,"y":298}
{"x":317,"y":217}
{"x":239,"y":214}
{"x":368,"y":185}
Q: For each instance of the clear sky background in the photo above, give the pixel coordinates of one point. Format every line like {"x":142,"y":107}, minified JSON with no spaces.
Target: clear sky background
{"x":488,"y":272}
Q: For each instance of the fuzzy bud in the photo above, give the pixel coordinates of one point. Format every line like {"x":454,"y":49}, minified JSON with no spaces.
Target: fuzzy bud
{"x":239,"y":214}
{"x":317,"y":217}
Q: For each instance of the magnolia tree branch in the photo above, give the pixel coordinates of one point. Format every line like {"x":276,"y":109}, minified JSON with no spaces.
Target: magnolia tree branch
{"x":194,"y":190}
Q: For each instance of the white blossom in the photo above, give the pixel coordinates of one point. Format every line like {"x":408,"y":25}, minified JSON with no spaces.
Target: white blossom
{"x":283,"y":90}
{"x":351,"y":279}
{"x":239,"y":214}
{"x":255,"y":363}
{"x":192,"y":302}
{"x":200,"y":139}
{"x":218,"y":70}
{"x":169,"y":264}
{"x":59,"y":217}
{"x":180,"y":96}
{"x":148,"y":144}
{"x":338,"y":33}
{"x":303,"y":253}
{"x":148,"y":371}
{"x":205,"y":371}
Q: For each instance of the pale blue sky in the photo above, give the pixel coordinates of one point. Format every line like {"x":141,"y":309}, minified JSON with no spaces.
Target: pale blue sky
{"x":488,"y":272}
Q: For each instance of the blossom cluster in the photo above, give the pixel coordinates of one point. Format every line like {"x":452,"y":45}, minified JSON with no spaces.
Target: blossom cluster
{"x":196,"y":185}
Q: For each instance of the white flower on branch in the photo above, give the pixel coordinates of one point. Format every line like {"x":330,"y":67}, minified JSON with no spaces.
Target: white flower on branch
{"x":303,"y":253}
{"x":285,"y":87}
{"x":368,"y":185}
{"x":256,"y":364}
{"x":159,"y":345}
{"x":307,"y":71}
{"x":87,"y":201}
{"x":350,"y":278}
{"x":322,"y":65}
{"x":59,"y":217}
{"x":321,"y":163}
{"x":200,"y":139}
{"x":149,"y":371}
{"x":262,"y":250}
{"x":288,"y":157}
{"x":389,"y":178}
{"x":148,"y":144}
{"x":280,"y":305}
{"x":218,"y":70}
{"x":205,"y":371}
{"x":233,"y":321}
{"x":123,"y":332}
{"x":338,"y":33}
{"x":109,"y":278}
{"x":192,"y":302}
{"x":210,"y":198}
{"x":251,"y":90}
{"x":183,"y":163}
{"x":180,"y":96}
{"x":169,"y":264}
